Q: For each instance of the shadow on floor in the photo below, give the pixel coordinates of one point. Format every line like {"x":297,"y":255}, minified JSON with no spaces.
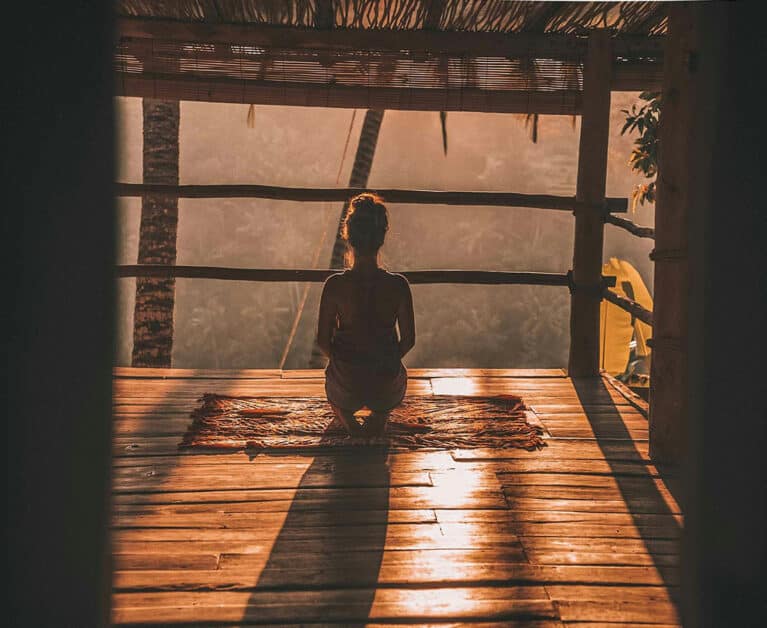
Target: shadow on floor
{"x":638,"y":490}
{"x":325,"y":562}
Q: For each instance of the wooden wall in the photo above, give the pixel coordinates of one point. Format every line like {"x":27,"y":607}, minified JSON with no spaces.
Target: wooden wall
{"x":59,"y":240}
{"x":725,"y":544}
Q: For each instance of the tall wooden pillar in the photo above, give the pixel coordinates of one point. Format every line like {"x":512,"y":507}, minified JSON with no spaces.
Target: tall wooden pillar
{"x":589,"y":224}
{"x":668,"y":404}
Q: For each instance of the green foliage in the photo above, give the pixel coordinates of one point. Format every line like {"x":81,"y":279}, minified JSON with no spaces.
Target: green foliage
{"x":644,"y":155}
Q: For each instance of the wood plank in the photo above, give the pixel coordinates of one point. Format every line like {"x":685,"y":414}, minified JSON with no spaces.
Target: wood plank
{"x":164,"y":374}
{"x":566,"y":449}
{"x":333,"y":499}
{"x":244,"y":541}
{"x":652,"y":547}
{"x":188,"y":373}
{"x":498,"y":531}
{"x":630,"y":494}
{"x":135,"y":480}
{"x":586,"y":557}
{"x":585,"y":505}
{"x":554,"y":516}
{"x":410,"y":557}
{"x":612,"y":624}
{"x":549,"y":407}
{"x":522,"y":623}
{"x":616,"y":433}
{"x":167,"y":517}
{"x":534,"y":393}
{"x":647,"y":611}
{"x":244,"y":579}
{"x":174,"y":391}
{"x":619,"y":468}
{"x":422,"y":460}
{"x":494,"y":603}
{"x":123,"y":561}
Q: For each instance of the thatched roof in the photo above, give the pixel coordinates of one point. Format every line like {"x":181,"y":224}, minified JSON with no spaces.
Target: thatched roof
{"x":647,"y":18}
{"x":486,"y":55}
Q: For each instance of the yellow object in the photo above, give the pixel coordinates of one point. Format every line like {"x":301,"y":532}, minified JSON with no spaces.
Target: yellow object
{"x":615,"y":326}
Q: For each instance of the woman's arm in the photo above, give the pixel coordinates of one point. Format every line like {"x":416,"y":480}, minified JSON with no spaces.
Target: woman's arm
{"x":406,"y":319}
{"x":327,"y":318}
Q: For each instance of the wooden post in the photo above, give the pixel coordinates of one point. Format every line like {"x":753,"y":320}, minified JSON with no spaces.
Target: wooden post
{"x":589,"y":223}
{"x":668,"y":407}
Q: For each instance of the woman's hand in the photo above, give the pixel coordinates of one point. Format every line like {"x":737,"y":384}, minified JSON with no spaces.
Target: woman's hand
{"x":327,"y":318}
{"x":406,"y":319}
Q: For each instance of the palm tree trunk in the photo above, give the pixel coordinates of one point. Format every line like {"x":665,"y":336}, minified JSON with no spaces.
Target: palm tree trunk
{"x":363,"y":161}
{"x":153,"y":313}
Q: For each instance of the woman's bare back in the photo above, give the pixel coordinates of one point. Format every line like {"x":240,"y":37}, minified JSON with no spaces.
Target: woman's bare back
{"x":368,"y":300}
{"x":362,"y":303}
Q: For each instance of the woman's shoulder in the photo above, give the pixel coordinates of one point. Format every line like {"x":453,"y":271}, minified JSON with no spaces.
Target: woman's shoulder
{"x":399,"y":279}
{"x":334,"y":279}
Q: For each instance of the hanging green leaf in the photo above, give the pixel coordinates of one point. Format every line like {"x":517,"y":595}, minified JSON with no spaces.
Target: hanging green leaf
{"x":644,"y":155}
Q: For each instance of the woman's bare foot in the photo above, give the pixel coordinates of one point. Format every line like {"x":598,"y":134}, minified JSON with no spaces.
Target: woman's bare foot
{"x":375,"y":424}
{"x":346,"y":418}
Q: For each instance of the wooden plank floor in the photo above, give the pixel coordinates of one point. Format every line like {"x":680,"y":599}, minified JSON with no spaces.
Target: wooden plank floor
{"x":584,"y":532}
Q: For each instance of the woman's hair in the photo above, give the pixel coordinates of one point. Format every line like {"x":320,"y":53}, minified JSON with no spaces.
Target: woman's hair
{"x":366,"y":223}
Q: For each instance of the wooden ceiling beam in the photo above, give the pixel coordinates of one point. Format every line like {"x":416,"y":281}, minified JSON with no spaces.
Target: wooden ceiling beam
{"x":550,"y":45}
{"x":231,"y":90}
{"x":191,"y":88}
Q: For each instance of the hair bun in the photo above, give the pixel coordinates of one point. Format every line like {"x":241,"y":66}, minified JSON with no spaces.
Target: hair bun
{"x":366,"y":223}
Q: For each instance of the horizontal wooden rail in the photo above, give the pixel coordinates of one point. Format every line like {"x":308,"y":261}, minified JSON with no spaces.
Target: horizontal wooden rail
{"x":165,"y":86}
{"x":317,"y":276}
{"x":632,"y":307}
{"x":431,"y":197}
{"x":642,"y":232}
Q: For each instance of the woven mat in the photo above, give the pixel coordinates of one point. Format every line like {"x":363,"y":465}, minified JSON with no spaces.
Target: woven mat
{"x":420,"y":422}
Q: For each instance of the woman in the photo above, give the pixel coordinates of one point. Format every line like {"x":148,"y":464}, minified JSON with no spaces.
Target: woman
{"x":359,"y":309}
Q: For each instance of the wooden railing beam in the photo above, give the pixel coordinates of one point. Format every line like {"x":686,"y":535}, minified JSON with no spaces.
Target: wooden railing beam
{"x":628,"y":305}
{"x":426,"y":197}
{"x":631,"y":227}
{"x":488,"y":277}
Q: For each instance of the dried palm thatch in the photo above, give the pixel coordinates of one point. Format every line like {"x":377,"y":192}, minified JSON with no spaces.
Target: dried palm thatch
{"x":450,"y":15}
{"x":197,"y":50}
{"x":421,"y":422}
